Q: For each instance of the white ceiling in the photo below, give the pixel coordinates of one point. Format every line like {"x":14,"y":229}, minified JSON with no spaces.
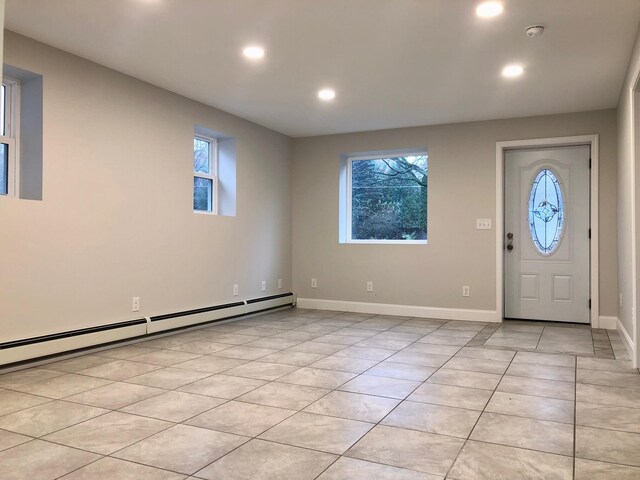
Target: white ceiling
{"x":393,"y":63}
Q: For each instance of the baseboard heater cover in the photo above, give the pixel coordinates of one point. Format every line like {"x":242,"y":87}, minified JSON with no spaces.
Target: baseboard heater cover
{"x":45,"y":345}
{"x":37,"y":347}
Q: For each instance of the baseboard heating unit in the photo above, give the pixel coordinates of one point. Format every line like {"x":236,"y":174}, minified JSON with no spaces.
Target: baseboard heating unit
{"x":66,"y":342}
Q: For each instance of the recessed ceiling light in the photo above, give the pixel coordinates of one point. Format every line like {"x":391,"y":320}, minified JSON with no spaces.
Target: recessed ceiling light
{"x":253,"y":52}
{"x":489,"y":9}
{"x":326,"y":94}
{"x":511,"y":71}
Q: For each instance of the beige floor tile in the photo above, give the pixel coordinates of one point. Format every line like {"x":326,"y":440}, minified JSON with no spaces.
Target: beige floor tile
{"x":384,"y":343}
{"x":165,"y":358}
{"x":511,"y":343}
{"x":317,"y":347}
{"x":608,"y":445}
{"x":447,"y":332}
{"x":260,"y":460}
{"x":76,"y":364}
{"x":318,"y":432}
{"x":546,"y":372}
{"x":289,"y":357}
{"x":241,"y":418}
{"x":108,"y":433}
{"x":173,"y":449}
{"x":451,"y":396}
{"x":545,"y":359}
{"x":592,"y":470}
{"x":608,"y":416}
{"x":112,"y":468}
{"x":174,"y":406}
{"x":540,"y":408}
{"x":437,"y":340}
{"x":48,"y":417}
{"x":353,"y":469}
{"x":23,"y":377}
{"x":419,"y":358}
{"x":621,"y":397}
{"x":447,"y":350}
{"x":344,"y":364}
{"x":537,"y":387}
{"x":544,"y":436}
{"x":62,"y":386}
{"x":243,"y":352}
{"x":403,"y":371}
{"x":262,"y":370}
{"x":486,"y":353}
{"x":223,"y":386}
{"x":168,"y":378}
{"x":380,"y":386}
{"x":126,"y":352}
{"x":14,"y":401}
{"x":284,"y":395}
{"x":115,"y":395}
{"x":484,"y":461}
{"x":119,"y":370}
{"x":610,"y":379}
{"x":624,"y":366}
{"x":353,"y":406}
{"x":210,"y":364}
{"x":42,"y":461}
{"x":460,"y":378}
{"x":424,"y":452}
{"x":11,"y":439}
{"x":455,"y":422}
{"x":233,"y":338}
{"x":273,"y":343}
{"x":366,"y":353}
{"x":477,"y":365}
{"x":317,"y":377}
{"x":201,"y":347}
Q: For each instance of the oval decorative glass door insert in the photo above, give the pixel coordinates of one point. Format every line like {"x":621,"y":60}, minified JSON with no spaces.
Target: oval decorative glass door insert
{"x":546,"y":212}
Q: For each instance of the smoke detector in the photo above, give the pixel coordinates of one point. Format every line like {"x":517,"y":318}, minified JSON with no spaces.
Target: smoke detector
{"x":534,"y":30}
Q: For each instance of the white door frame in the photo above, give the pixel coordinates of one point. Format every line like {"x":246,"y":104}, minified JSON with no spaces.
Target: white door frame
{"x":501,"y":148}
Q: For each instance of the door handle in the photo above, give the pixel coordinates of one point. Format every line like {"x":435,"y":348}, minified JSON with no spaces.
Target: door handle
{"x":509,"y":241}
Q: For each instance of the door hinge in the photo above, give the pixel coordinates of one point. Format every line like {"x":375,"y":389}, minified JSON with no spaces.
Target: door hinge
{"x":589,"y":304}
{"x":589,"y":233}
{"x":589,"y":162}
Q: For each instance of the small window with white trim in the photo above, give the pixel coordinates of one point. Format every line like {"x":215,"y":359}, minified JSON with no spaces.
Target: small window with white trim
{"x":9,"y":134}
{"x":205,"y":174}
{"x":387,"y":198}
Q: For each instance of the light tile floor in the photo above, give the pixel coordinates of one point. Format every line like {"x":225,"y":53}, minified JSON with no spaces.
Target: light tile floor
{"x":307,"y":394}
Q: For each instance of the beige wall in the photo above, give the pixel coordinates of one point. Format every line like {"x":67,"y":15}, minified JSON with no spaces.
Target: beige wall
{"x":462,"y":187}
{"x":116,"y":219}
{"x":628,"y":186}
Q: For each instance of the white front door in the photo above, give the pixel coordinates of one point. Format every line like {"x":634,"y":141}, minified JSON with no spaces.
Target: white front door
{"x":547,"y":219}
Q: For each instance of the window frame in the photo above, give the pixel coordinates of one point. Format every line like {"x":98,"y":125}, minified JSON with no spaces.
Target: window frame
{"x":349,"y":193}
{"x":212,"y":175}
{"x":11,"y":136}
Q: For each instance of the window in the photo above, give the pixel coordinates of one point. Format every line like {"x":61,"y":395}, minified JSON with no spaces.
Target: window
{"x":546,"y":212}
{"x":9,"y":122}
{"x":205,"y":179}
{"x":387,"y":199}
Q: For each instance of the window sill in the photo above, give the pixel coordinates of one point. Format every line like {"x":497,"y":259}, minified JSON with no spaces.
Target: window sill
{"x":386,"y":242}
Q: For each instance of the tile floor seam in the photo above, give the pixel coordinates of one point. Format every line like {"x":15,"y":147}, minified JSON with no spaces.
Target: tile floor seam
{"x":478,"y":419}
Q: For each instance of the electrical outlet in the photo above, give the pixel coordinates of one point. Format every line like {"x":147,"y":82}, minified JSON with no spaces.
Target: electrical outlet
{"x":314,"y":283}
{"x":236,"y":290}
{"x":135,"y":304}
{"x":264,"y":286}
{"x":483,"y":223}
{"x":466,"y":291}
{"x":620,"y":299}
{"x":279,"y":283}
{"x":369,"y":286}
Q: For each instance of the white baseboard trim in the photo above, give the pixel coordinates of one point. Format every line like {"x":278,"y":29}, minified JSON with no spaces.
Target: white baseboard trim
{"x":608,"y":323}
{"x":626,"y":339}
{"x":401,"y":310}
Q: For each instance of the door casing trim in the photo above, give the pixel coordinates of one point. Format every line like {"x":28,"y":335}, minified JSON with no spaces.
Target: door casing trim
{"x":578,"y":140}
